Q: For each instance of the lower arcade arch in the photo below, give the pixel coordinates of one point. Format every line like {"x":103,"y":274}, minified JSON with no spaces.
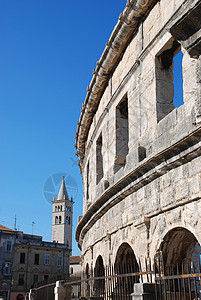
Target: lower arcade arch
{"x":87,"y":277}
{"x":178,"y":250}
{"x":99,"y":271}
{"x":126,"y":263}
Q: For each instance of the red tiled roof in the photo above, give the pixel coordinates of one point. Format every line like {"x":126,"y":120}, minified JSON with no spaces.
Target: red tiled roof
{"x":4,"y":228}
{"x":76,"y":259}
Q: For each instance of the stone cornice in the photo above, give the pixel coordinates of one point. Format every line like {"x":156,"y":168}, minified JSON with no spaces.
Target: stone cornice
{"x":128,"y":22}
{"x":177,"y":154}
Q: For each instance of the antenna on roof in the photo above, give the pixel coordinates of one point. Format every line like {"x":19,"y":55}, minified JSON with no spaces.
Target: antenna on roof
{"x":33,"y":223}
{"x":15,"y":225}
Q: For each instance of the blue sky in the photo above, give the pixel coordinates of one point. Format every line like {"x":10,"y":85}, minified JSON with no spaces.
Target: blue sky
{"x":48,"y":52}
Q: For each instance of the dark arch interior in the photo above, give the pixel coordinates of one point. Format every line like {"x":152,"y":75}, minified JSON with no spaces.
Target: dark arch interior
{"x":99,"y":271}
{"x":87,"y":276}
{"x":126,"y":263}
{"x":87,"y":271}
{"x":125,"y":260}
{"x":177,"y":248}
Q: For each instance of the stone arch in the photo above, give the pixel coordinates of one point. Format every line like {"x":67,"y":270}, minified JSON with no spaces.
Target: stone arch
{"x":99,"y":271}
{"x":125,"y":263}
{"x":87,"y":274}
{"x":87,"y":271}
{"x":125,"y":259}
{"x":177,"y":248}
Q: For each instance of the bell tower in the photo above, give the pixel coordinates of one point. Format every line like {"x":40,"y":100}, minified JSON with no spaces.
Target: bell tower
{"x":62,"y":213}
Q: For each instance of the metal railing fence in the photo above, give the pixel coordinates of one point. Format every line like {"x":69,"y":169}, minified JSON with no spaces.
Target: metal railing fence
{"x":178,"y":282}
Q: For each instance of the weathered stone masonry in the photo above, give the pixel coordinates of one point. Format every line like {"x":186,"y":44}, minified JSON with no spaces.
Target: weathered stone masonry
{"x":139,"y":155}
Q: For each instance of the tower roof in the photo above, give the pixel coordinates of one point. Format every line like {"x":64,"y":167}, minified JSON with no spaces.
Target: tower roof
{"x":63,"y":191}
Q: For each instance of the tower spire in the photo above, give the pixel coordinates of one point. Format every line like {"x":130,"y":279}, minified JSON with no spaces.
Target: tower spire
{"x":63,"y":195}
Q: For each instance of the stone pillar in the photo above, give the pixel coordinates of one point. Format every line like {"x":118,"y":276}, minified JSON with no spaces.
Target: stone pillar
{"x":32,"y":294}
{"x":143,"y":291}
{"x":59,"y":291}
{"x":198,"y":102}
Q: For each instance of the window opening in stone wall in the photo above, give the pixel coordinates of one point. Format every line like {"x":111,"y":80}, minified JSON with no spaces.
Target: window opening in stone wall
{"x":141,"y":153}
{"x":87,"y":183}
{"x":165,"y":87}
{"x":122,"y":134}
{"x":21,"y":279}
{"x":56,"y":220}
{"x":68,"y":208}
{"x":59,"y":260}
{"x":7,"y":268}
{"x":68,"y":220}
{"x":178,"y":80}
{"x":59,"y":219}
{"x":47,"y":259}
{"x":22,"y":258}
{"x":8,"y":249}
{"x":99,"y":160}
{"x":46,"y":277}
{"x":36,"y":259}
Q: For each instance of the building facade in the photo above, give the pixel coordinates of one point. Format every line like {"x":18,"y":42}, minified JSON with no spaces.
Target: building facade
{"x":36,"y":261}
{"x":139,"y":148}
{"x":75,"y":275}
{"x":7,"y":244}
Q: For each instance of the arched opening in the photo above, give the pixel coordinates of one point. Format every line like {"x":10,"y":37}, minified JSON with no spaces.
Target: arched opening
{"x":99,"y":284}
{"x":179,"y":254}
{"x":56,"y":220}
{"x":126,"y":263}
{"x":68,"y":220}
{"x":87,"y":277}
{"x":20,"y":297}
{"x":179,"y":248}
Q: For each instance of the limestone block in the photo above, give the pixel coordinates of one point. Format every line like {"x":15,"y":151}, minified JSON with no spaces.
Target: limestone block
{"x":166,"y":9}
{"x":189,"y":75}
{"x":194,"y":186}
{"x":144,"y":291}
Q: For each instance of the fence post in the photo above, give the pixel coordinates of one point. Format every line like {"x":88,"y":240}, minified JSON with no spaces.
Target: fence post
{"x":59,"y":290}
{"x":32,"y":294}
{"x":143,"y":291}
